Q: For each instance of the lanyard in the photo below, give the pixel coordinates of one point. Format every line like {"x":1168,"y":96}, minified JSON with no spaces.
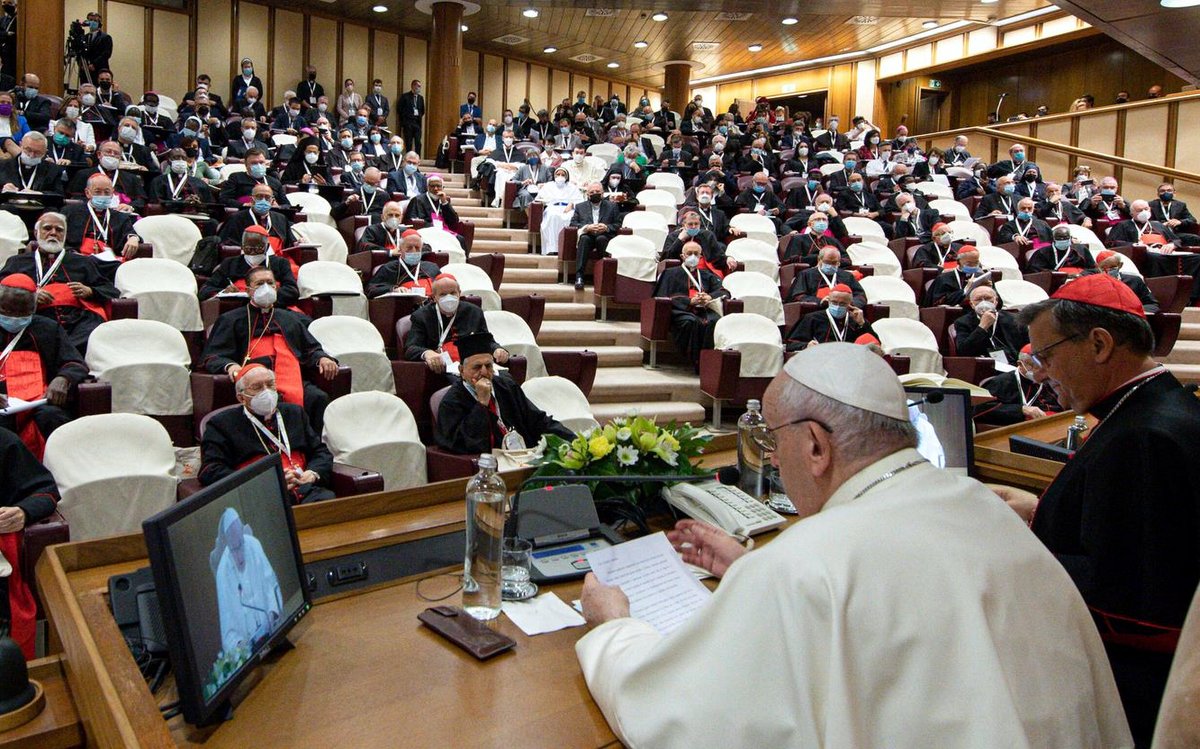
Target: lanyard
{"x":1007,"y":203}
{"x":45,"y":278}
{"x":368,"y":203}
{"x":415,"y":277}
{"x":1147,"y":377}
{"x":27,"y":183}
{"x":1021,"y":389}
{"x":1144,"y":228}
{"x":175,"y":189}
{"x":255,"y":220}
{"x":444,"y":328}
{"x":433,"y":206}
{"x":281,"y":443}
{"x":1025,"y":231}
{"x":9,"y":348}
{"x":693,"y":280}
{"x":830,"y":282}
{"x":841,"y":334}
{"x":1058,"y":263}
{"x":101,"y":225}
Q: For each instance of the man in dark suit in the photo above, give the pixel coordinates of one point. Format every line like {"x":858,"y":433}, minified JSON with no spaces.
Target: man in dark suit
{"x":1024,"y":228}
{"x":238,"y":187}
{"x":99,"y":224}
{"x":952,"y":287}
{"x":412,"y":115}
{"x":408,"y":180}
{"x":378,"y":104}
{"x":666,"y":120}
{"x":97,"y":49}
{"x":1174,"y":214}
{"x":1057,"y":207}
{"x":436,"y":327}
{"x":31,"y":171}
{"x":677,"y":158}
{"x":914,"y":221}
{"x":987,"y":328}
{"x":760,"y":199}
{"x":831,"y":139}
{"x":597,"y":221}
{"x":33,"y":105}
{"x":308,"y":90}
{"x":1002,"y":204}
{"x":248,"y":140}
{"x":841,"y":320}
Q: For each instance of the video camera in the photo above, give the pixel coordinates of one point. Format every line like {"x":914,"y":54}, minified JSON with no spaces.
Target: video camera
{"x":75,"y":35}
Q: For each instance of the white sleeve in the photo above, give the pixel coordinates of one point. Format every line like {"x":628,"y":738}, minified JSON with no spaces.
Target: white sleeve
{"x":607,"y":655}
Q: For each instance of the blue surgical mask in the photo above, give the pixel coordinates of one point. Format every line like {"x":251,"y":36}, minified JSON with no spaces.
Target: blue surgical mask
{"x":368,"y":188}
{"x":375,"y":137}
{"x":412,"y":258}
{"x":968,"y":270}
{"x":723,"y":129}
{"x":410,"y":168}
{"x":490,"y":128}
{"x":837,"y":311}
{"x":347,"y":143}
{"x":396,"y":149}
{"x":532,"y":161}
{"x":356,"y":166}
{"x":15,"y":324}
{"x":760,"y":188}
{"x":565,"y":130}
{"x":258,"y":171}
{"x":1108,"y":193}
{"x":187,"y":132}
{"x":1009,"y":188}
{"x":813,"y":184}
{"x":850,"y":163}
{"x":262,"y":206}
{"x":1018,"y":157}
{"x":1024,"y":215}
{"x":362,"y":121}
{"x":693,"y":231}
{"x":1062,"y":244}
{"x":820,"y":226}
{"x":828,"y":269}
{"x":101,"y":202}
{"x":856,"y":186}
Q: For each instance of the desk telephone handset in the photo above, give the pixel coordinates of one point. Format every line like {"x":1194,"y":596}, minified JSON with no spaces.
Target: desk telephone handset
{"x":726,"y":507}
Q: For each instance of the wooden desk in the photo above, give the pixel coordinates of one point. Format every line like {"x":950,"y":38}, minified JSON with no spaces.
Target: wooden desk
{"x":995,"y":462}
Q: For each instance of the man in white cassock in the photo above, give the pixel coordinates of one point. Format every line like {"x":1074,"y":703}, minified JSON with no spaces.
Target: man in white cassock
{"x":249,"y":601}
{"x":907,"y":608}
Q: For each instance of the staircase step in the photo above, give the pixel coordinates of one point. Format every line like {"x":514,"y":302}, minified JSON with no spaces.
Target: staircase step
{"x":472,"y":210}
{"x":552,"y":292}
{"x":459,"y":193}
{"x":588,"y":334}
{"x":1189,"y":331}
{"x":487,"y":223}
{"x":624,"y":384}
{"x":1184,"y":352}
{"x":1191,"y":315}
{"x":498,"y":245}
{"x":513,"y":260}
{"x":608,"y":356}
{"x":662,"y":412}
{"x":1186,"y":373}
{"x":570,"y":311}
{"x":529,"y":275}
{"x":498,"y":233}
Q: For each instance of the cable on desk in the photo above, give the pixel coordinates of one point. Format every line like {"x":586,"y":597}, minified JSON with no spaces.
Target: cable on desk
{"x":430,"y":599}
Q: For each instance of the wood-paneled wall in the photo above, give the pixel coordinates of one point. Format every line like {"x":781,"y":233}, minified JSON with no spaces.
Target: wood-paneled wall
{"x":841,"y":81}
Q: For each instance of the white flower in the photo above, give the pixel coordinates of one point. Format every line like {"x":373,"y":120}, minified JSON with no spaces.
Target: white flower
{"x":587,"y":433}
{"x":623,"y":434}
{"x":627,"y":455}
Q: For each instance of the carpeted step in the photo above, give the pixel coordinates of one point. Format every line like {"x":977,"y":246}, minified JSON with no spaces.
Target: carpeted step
{"x":608,"y":356}
{"x":588,"y":334}
{"x":662,"y":412}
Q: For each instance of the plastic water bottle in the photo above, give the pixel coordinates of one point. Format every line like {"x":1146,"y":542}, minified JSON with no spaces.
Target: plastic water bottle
{"x":1075,"y":433}
{"x":752,"y":461}
{"x":485,"y":538}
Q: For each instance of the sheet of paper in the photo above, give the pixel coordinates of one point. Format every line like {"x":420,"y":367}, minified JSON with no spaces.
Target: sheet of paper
{"x":233,"y":295}
{"x":546,"y":613}
{"x":16,"y":406}
{"x":662,"y":591}
{"x":108,"y":255}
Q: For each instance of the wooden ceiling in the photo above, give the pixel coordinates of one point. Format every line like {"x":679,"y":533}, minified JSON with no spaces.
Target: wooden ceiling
{"x":1164,"y":35}
{"x":823,"y":29}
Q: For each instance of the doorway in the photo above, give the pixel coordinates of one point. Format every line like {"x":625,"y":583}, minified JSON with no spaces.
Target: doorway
{"x":932,"y":114}
{"x":810,"y":102}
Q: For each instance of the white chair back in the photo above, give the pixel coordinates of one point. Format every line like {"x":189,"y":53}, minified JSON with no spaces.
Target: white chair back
{"x":173,"y":237}
{"x":331,"y":246}
{"x":169,"y":107}
{"x":899,"y":297}
{"x":934,"y":189}
{"x":314,"y":206}
{"x":440,"y":240}
{"x":755,"y":255}
{"x":876,"y":255}
{"x":828,"y":169}
{"x":562,"y":399}
{"x":229,"y":169}
{"x":1083,"y":235}
{"x":283,"y":139}
{"x":337,"y":280}
{"x":1017,"y":293}
{"x":910,"y":338}
{"x":376,"y":431}
{"x":964,"y":229}
{"x":636,"y":256}
{"x":512,"y":333}
{"x":950,"y":207}
{"x":14,"y":235}
{"x":113,"y":471}
{"x":756,"y":337}
{"x":860,"y":226}
{"x":656,"y":141}
{"x":758,"y":292}
{"x":598,"y":164}
{"x":356,"y":343}
{"x":755,"y":227}
{"x":658,"y":201}
{"x":473,"y":280}
{"x":648,"y":225}
{"x":165,"y":290}
{"x":606,"y":151}
{"x":960,"y":172}
{"x":670,"y":182}
{"x":147,"y":363}
{"x":994,"y":258}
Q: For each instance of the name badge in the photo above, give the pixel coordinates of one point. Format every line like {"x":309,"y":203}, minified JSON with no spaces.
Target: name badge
{"x":451,"y":365}
{"x":513,"y":440}
{"x":999,"y":356}
{"x":379,"y":111}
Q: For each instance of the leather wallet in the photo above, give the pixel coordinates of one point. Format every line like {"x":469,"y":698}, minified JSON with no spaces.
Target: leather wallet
{"x":465,"y":631}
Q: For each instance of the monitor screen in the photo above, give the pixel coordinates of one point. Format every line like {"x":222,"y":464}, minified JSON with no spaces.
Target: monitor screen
{"x":229,"y":574}
{"x":945,"y":433}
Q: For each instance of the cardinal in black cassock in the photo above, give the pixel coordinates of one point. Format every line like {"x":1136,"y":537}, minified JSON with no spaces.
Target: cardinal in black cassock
{"x":692,"y":322}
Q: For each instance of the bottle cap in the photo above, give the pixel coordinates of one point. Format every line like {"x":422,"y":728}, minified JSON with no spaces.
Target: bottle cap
{"x":753,"y":405}
{"x":487,"y":460}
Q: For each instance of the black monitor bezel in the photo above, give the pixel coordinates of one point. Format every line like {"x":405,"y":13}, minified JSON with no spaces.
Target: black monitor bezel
{"x":921,"y":391}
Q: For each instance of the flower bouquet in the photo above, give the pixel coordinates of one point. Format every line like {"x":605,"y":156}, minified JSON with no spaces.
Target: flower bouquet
{"x":632,"y":446}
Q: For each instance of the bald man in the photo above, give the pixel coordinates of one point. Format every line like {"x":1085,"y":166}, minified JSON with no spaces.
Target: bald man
{"x":98,"y":225}
{"x":129,"y":188}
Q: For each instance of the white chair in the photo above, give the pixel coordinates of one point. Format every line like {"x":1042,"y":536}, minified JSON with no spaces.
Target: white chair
{"x":168,"y":107}
{"x":876,"y":255}
{"x":828,"y":169}
{"x":356,"y":343}
{"x":649,"y":225}
{"x":994,"y":258}
{"x":965,"y":229}
{"x":758,"y":292}
{"x":859,"y":226}
{"x":606,"y":151}
{"x":173,"y":237}
{"x":283,"y":139}
{"x":165,"y":290}
{"x":14,"y":235}
{"x":376,"y":431}
{"x":961,"y":172}
{"x":1128,"y":266}
{"x":755,"y":255}
{"x":147,"y":363}
{"x":636,"y":256}
{"x":229,"y":169}
{"x":113,"y":471}
{"x":513,"y":334}
{"x":934,"y":189}
{"x":757,"y":227}
{"x":562,"y":399}
{"x":757,"y":339}
{"x":473,"y":280}
{"x":910,"y":338}
{"x":1018,"y":293}
{"x":670,"y":182}
{"x":658,"y":201}
{"x":656,"y":141}
{"x":1083,"y":235}
{"x":893,"y":292}
{"x":314,"y":206}
{"x":950,"y":207}
{"x":598,"y":166}
{"x":440,"y":240}
{"x":331,"y":246}
{"x":336,"y":280}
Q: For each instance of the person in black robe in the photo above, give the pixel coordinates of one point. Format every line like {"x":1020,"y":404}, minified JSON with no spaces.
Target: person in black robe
{"x":434,"y":202}
{"x":691,"y":290}
{"x":1121,"y":513}
{"x":1024,"y":227}
{"x":479,"y":410}
{"x":1108,"y":261}
{"x":386,"y":234}
{"x":940,"y":252}
{"x":230,"y":274}
{"x":824,"y":205}
{"x":239,"y":186}
{"x":93,"y":226}
{"x":41,"y":175}
{"x":759,"y":198}
{"x":25,"y":483}
{"x":1063,"y":254}
{"x":176,"y":184}
{"x":813,"y":284}
{"x":307,"y":165}
{"x":841,"y":320}
{"x":986,"y":328}
{"x":405,"y":272}
{"x":1002,"y":204}
{"x":1055,"y":206}
{"x":712,"y":249}
{"x":951,"y":288}
{"x":368,"y":199}
{"x":1018,"y":397}
{"x":437,"y":326}
{"x":809,"y":245}
{"x":229,"y":342}
{"x":231,"y":439}
{"x":124,"y":182}
{"x":259,"y":213}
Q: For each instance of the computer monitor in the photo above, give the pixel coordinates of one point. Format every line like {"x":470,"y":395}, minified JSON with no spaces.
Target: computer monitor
{"x":945,"y":432}
{"x":228,"y":572}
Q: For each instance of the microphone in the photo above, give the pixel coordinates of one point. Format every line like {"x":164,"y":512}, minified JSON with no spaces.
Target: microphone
{"x":247,"y":605}
{"x":933,"y":397}
{"x":999,"y":104}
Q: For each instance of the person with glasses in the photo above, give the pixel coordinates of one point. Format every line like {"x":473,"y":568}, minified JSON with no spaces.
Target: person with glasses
{"x":904,"y":608}
{"x":1017,"y":395}
{"x":988,"y":329}
{"x":1121,"y":514}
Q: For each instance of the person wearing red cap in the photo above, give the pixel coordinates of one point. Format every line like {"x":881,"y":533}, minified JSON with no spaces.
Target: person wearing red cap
{"x":406,"y":272}
{"x":1024,"y":228}
{"x":1109,"y":261}
{"x":814,"y":284}
{"x":841,"y":320}
{"x":1017,"y":396}
{"x":229,"y":277}
{"x":940,"y":252}
{"x":1121,"y":514}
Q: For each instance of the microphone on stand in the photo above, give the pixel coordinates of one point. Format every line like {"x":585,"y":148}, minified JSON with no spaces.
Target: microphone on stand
{"x":932,"y":397}
{"x":999,"y":104}
{"x":729,"y":475}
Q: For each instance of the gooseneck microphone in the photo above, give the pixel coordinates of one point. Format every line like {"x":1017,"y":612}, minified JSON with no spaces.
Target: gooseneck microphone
{"x":932,"y":397}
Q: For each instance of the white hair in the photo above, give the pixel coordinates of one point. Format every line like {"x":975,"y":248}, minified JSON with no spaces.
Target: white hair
{"x":855,"y":434}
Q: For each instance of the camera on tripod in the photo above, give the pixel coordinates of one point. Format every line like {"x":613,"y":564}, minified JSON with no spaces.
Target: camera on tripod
{"x":75,"y":43}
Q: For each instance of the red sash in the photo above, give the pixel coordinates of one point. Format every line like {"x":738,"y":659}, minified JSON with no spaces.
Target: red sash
{"x":705,"y":266}
{"x":296,"y":460}
{"x":92,"y":246}
{"x":25,"y":380}
{"x":1149,"y":239}
{"x":423,"y":283}
{"x":64,"y":297}
{"x":451,"y":348}
{"x":22,"y":609}
{"x":287,"y":368}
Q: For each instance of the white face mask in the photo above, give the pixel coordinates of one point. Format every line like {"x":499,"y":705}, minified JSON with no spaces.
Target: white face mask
{"x":704,"y":199}
{"x":264,"y":296}
{"x":578,"y":158}
{"x":1143,"y":216}
{"x":72,"y":112}
{"x":984,"y":307}
{"x":560,"y":180}
{"x":255,"y":260}
{"x":89,"y":100}
{"x":392,"y":223}
{"x":109,"y":162}
{"x":263,"y":404}
{"x":691,"y":261}
{"x":448,"y":304}
{"x":311,"y":158}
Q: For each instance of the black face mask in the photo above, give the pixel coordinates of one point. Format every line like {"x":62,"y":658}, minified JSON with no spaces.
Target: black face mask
{"x":312,"y":76}
{"x":10,"y":10}
{"x":596,"y":198}
{"x":191,"y":153}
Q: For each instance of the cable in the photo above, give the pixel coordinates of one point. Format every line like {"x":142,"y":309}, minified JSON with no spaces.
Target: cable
{"x":429,"y":599}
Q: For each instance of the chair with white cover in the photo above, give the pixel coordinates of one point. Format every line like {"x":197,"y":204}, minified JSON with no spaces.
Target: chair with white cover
{"x":561,"y":399}
{"x":828,"y":169}
{"x":331,"y":245}
{"x":357,"y":344}
{"x":670,"y":182}
{"x":1018,"y":293}
{"x":934,"y":189}
{"x":960,"y":172}
{"x":648,"y":224}
{"x":904,"y":337}
{"x":950,"y":207}
{"x":875,"y":254}
{"x":965,"y":229}
{"x":376,"y":431}
{"x":474,"y":281}
{"x":165,"y":290}
{"x":656,"y":141}
{"x":598,"y":164}
{"x":1084,"y":235}
{"x":994,"y":258}
{"x":336,"y":280}
{"x":755,"y":255}
{"x":755,"y":226}
{"x":147,"y":362}
{"x":313,"y":205}
{"x":172,"y":237}
{"x":760,"y":347}
{"x":860,"y":226}
{"x":510,"y":331}
{"x":636,"y":256}
{"x":168,"y":107}
{"x":606,"y":151}
{"x":229,"y":169}
{"x":14,"y":235}
{"x":895,"y":293}
{"x":281,"y":140}
{"x":758,"y":292}
{"x":658,"y":201}
{"x":440,"y":240}
{"x":111,"y":489}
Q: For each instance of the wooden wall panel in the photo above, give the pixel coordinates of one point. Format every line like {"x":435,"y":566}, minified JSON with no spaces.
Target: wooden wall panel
{"x":354,"y":57}
{"x":728,"y":93}
{"x":491,"y":98}
{"x":841,"y":87}
{"x":517,"y":79}
{"x":322,"y":54}
{"x":416,"y":65}
{"x":560,"y":88}
{"x":539,"y":87}
{"x":1100,"y":133}
{"x":1144,"y":129}
{"x":212,"y":47}
{"x":385,"y":55}
{"x":1141,"y":185}
{"x":287,"y":65}
{"x":470,"y":74}
{"x":1058,"y":131}
{"x":253,"y":21}
{"x":1187,"y":139}
{"x":128,"y":60}
{"x":170,"y":68}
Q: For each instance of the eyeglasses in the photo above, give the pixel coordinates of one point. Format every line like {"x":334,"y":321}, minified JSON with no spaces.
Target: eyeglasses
{"x":763,"y":436}
{"x":1038,"y":360}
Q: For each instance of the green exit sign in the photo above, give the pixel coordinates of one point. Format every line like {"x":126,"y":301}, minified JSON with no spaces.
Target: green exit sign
{"x":935,"y":83}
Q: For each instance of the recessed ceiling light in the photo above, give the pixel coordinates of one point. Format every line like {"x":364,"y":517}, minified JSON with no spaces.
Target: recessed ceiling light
{"x":549,"y":50}
{"x":465,"y":28}
{"x":989,"y":2}
{"x":1179,"y":3}
{"x":530,"y":13}
{"x":929,"y":25}
{"x":380,"y":9}
{"x":641,"y":44}
{"x":789,"y":21}
{"x":614,"y":65}
{"x":660,"y":16}
{"x":755,"y":48}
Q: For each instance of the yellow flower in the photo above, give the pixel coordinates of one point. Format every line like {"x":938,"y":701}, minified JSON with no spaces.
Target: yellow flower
{"x":572,"y":461}
{"x":669,"y":439}
{"x":599,"y":446}
{"x":646,"y":442}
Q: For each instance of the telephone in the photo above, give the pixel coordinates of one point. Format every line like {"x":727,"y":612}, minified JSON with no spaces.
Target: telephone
{"x":726,"y":507}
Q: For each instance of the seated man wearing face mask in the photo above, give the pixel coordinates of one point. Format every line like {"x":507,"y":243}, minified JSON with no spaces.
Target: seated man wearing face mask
{"x":31,"y":171}
{"x":1002,"y":204}
{"x":230,"y":275}
{"x":264,"y":426}
{"x":435,"y":209}
{"x":940,"y":252}
{"x":436,"y":328}
{"x":712,"y":214}
{"x":237,"y":189}
{"x":952,"y":287}
{"x":859,"y":201}
{"x":1024,"y":228}
{"x":177,"y":184}
{"x":1142,"y":229}
{"x":405,"y":273}
{"x":692,"y":290}
{"x":759,"y":198}
{"x":259,"y":213}
{"x":306,"y":165}
{"x":1062,"y":254}
{"x":408,"y":180}
{"x":914,"y":221}
{"x":597,"y":221}
{"x":815,"y":283}
{"x":1018,"y":397}
{"x":823,"y":205}
{"x":1057,"y":207}
{"x":39,"y":362}
{"x":367,"y":200}
{"x":247,"y":141}
{"x":128,"y":188}
{"x":976,"y":186}
{"x":487,"y":410}
{"x":71,"y":288}
{"x":96,"y":226}
{"x":714,"y":258}
{"x":841,"y":320}
{"x":499,"y":167}
{"x":987,"y":329}
{"x":1109,"y":261}
{"x":262,"y":331}
{"x":808,"y":245}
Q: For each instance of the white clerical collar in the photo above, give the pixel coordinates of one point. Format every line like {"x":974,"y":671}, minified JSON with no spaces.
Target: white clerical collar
{"x":853,"y":486}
